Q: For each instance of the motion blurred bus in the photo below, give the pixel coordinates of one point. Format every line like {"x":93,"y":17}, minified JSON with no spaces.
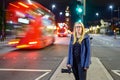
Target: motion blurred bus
{"x":33,"y":25}
{"x":62,"y":30}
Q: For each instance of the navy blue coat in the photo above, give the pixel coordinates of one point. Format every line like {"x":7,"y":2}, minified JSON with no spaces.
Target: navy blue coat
{"x":85,"y":52}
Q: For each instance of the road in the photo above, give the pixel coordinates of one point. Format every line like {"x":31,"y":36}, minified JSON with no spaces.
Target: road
{"x":107,"y":49}
{"x":41,"y":64}
{"x":32,"y":64}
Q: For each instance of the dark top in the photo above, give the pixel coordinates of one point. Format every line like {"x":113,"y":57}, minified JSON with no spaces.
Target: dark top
{"x":76,"y":52}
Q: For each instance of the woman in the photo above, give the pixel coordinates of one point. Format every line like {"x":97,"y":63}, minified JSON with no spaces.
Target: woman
{"x":79,"y":52}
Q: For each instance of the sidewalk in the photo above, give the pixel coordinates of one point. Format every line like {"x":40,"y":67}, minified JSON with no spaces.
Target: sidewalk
{"x":96,"y":71}
{"x":3,"y":43}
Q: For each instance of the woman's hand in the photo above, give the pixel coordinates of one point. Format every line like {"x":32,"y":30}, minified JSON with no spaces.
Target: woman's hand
{"x":85,"y":68}
{"x":68,"y":66}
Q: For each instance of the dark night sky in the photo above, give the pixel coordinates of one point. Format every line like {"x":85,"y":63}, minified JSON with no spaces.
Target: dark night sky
{"x":92,"y":7}
{"x":102,"y":7}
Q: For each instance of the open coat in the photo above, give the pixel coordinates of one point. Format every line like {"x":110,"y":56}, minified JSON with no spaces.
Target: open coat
{"x":85,"y":52}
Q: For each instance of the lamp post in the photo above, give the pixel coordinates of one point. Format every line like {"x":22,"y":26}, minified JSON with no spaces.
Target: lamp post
{"x":53,"y":6}
{"x":67,"y":17}
{"x":111,"y":7}
{"x":97,"y":14}
{"x":61,"y":16}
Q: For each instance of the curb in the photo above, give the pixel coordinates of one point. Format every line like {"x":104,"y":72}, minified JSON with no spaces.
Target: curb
{"x":105,"y":70}
{"x":97,"y":71}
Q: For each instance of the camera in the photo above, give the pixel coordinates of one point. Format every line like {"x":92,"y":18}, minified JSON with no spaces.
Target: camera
{"x":68,"y":70}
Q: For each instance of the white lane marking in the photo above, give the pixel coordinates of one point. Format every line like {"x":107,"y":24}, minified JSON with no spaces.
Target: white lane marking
{"x":42,"y":76}
{"x":36,"y":70}
{"x":117,"y":72}
{"x":28,"y":70}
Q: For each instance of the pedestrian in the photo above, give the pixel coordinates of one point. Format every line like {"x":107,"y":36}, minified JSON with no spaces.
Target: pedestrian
{"x":79,"y":54}
{"x":115,"y":34}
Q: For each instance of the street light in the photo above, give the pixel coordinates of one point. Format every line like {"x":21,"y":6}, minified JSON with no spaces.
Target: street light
{"x":60,"y":16}
{"x":67,"y":14}
{"x":97,"y":14}
{"x":53,"y":6}
{"x":60,"y":13}
{"x":111,"y":7}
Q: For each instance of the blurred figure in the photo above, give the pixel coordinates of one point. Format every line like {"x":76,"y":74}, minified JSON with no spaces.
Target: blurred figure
{"x":79,"y":56}
{"x":115,"y":34}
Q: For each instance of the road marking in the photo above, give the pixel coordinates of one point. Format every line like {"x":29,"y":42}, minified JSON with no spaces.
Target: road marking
{"x":116,"y":72}
{"x":37,"y":70}
{"x":42,"y":76}
{"x":28,"y":70}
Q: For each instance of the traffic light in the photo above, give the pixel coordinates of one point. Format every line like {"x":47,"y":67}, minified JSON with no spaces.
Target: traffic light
{"x":79,"y":9}
{"x":79,"y":20}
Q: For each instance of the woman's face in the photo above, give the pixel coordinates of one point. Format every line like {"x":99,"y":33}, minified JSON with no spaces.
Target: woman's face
{"x":78,"y":28}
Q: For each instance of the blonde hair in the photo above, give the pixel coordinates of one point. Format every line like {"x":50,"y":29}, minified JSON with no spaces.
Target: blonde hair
{"x":75,"y":34}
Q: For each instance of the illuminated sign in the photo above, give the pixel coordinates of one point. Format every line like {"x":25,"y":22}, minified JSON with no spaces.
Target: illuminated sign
{"x":23,"y":20}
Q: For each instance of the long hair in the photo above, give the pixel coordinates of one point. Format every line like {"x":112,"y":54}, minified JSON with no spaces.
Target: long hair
{"x":75,"y":33}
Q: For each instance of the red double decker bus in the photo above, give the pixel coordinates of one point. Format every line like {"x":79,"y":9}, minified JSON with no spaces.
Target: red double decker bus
{"x":33,"y":25}
{"x":62,"y":30}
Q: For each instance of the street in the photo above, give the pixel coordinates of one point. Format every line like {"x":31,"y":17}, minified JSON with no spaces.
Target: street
{"x":41,"y":64}
{"x":107,"y":49}
{"x":31,"y":64}
{"x":35,"y":36}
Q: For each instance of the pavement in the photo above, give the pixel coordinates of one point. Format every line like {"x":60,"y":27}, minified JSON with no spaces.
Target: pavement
{"x":97,"y":71}
{"x":3,"y":43}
